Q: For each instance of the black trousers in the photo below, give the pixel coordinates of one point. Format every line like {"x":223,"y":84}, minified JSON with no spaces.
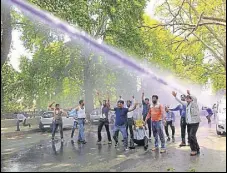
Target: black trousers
{"x":184,"y":125}
{"x":192,"y":137}
{"x":169,"y":123}
{"x":149,"y":124}
{"x":103,"y":122}
{"x":129,"y":125}
{"x":143,"y":142}
{"x":24,"y":124}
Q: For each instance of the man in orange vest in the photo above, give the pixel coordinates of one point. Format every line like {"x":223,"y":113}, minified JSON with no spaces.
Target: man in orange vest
{"x":156,"y":114}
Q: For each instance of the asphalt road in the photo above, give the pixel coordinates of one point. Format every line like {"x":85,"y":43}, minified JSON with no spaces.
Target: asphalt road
{"x":35,"y":152}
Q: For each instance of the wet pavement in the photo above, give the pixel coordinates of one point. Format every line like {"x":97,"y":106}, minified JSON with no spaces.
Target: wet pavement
{"x":35,"y":152}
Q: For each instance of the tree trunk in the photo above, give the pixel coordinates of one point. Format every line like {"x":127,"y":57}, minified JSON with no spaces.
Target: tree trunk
{"x":6,"y":39}
{"x":88,"y":87}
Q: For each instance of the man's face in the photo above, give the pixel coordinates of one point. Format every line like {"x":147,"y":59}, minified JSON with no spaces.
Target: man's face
{"x":82,"y":104}
{"x":166,"y":109}
{"x":57,"y":106}
{"x":104,"y":102}
{"x":119,"y":105}
{"x":128,"y":104}
{"x":183,"y":98}
{"x":154,"y":99}
{"x":188,"y":100}
{"x":147,"y":101}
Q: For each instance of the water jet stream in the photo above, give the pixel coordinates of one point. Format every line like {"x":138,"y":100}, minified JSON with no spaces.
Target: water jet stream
{"x":77,"y":34}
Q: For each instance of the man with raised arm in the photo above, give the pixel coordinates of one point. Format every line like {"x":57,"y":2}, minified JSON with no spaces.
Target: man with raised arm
{"x":182,"y":109}
{"x":121,"y":121}
{"x":57,"y":119}
{"x":105,"y":108}
{"x":193,"y":120}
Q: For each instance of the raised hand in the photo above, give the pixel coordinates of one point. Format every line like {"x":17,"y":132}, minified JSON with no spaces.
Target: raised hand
{"x":188,"y":92}
{"x":174,"y":93}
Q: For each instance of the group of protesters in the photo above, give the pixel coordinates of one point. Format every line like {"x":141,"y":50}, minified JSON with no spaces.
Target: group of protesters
{"x":156,"y":117}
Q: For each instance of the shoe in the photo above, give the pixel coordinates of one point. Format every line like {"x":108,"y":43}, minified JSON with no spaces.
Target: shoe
{"x":17,"y":130}
{"x":99,"y":143}
{"x":168,"y":139}
{"x":122,"y":140}
{"x":116,"y":144}
{"x":173,"y":139}
{"x":149,"y":138}
{"x":145,"y":148}
{"x":163,"y":150}
{"x":110,"y":142}
{"x":126,"y":149}
{"x":154,"y":149}
{"x":83,"y":142}
{"x":78,"y":141}
{"x":193,"y":153}
{"x":182,"y":144}
{"x":29,"y":125}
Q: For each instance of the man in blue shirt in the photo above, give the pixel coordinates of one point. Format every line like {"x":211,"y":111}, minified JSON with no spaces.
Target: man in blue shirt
{"x":121,"y":122}
{"x":209,"y":113}
{"x":146,"y":107}
{"x":170,"y":120}
{"x":183,"y":124}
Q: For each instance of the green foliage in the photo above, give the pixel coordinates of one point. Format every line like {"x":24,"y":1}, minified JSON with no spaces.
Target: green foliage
{"x":61,"y":71}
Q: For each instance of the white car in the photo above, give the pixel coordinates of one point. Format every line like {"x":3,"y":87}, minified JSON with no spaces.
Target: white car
{"x":46,"y":120}
{"x":221,"y":117}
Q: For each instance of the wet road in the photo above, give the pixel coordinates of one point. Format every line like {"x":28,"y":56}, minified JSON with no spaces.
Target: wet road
{"x":35,"y":152}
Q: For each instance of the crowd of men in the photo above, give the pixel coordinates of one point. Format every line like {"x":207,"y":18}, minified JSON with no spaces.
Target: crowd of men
{"x":154,"y":116}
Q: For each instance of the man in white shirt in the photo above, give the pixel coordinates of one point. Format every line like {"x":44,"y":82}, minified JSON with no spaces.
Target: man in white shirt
{"x":21,"y":118}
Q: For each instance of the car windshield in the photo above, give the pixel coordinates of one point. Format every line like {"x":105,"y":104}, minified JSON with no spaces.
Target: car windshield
{"x":48,"y":115}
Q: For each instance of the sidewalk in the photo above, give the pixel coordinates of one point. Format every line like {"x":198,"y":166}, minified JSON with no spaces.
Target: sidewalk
{"x":11,"y":131}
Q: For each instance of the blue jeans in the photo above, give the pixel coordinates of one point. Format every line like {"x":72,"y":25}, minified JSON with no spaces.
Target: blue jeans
{"x":75,"y":123}
{"x":123,"y":131}
{"x":157,"y":129}
{"x":81,"y":122}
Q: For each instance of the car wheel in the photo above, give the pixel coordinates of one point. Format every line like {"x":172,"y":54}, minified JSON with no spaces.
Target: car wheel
{"x":218,"y":133}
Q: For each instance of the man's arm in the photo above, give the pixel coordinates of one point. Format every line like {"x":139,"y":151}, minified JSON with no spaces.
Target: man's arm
{"x":148,"y":116}
{"x":99,"y":99}
{"x":50,"y":106}
{"x":175,"y":95}
{"x":176,"y":108}
{"x":132,"y":109}
{"x":162,"y":112}
{"x":108,"y":100}
{"x":143,"y":98}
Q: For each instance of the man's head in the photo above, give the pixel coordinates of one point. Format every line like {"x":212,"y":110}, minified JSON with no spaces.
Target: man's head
{"x":57,"y":106}
{"x":183,"y":97}
{"x":167,"y":108}
{"x":104,"y":103}
{"x":154,"y":99}
{"x":120,"y":104}
{"x":81,"y":102}
{"x":188,"y":99}
{"x":147,"y":100}
{"x":129,"y":103}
